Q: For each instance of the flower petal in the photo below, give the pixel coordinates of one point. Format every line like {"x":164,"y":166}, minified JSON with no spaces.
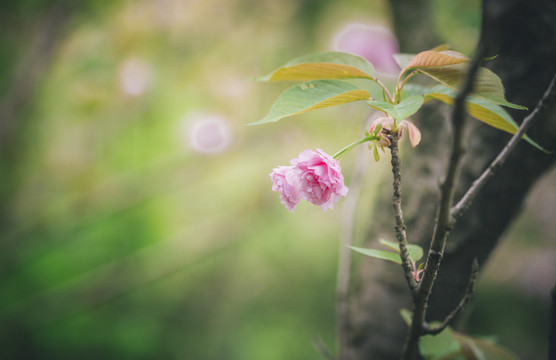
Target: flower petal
{"x":414,"y":134}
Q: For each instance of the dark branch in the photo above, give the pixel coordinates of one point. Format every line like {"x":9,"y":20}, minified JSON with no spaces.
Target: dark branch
{"x":444,"y":220}
{"x":400,"y":229}
{"x":468,"y":293}
{"x":478,"y":184}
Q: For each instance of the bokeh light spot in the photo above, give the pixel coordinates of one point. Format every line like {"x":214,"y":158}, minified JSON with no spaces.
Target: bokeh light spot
{"x":135,"y":77}
{"x":375,"y":43}
{"x":208,"y":133}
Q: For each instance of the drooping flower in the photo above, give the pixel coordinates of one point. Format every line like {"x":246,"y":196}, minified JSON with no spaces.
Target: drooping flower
{"x":286,"y":182}
{"x":320,"y":177}
{"x":314,"y":176}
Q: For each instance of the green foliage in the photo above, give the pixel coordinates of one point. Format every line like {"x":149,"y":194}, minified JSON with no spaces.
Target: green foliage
{"x":450,"y":68}
{"x":403,"y":60}
{"x":440,"y":347}
{"x":406,"y":315}
{"x":482,"y":349}
{"x":326,"y":65}
{"x":481,"y":109}
{"x":445,"y":66}
{"x":379,"y":254}
{"x":415,"y":252}
{"x":400,"y":111}
{"x":487,"y":84}
{"x":452,"y":345}
{"x":311,"y":96}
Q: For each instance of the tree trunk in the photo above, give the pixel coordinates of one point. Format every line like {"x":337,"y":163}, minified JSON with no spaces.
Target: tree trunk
{"x":523,"y":35}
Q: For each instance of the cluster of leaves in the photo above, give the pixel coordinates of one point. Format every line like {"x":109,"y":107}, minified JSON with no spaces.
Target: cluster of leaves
{"x":324,"y":85}
{"x":452,"y":345}
{"x":448,"y":344}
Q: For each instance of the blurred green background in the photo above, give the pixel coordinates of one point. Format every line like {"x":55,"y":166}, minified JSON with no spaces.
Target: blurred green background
{"x":138,"y":220}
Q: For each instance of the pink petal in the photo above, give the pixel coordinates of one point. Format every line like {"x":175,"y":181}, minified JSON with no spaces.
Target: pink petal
{"x":414,"y":134}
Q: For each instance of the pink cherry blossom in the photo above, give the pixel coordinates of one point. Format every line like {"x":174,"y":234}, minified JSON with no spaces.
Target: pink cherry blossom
{"x":286,"y":182}
{"x":314,"y":176}
{"x":320,"y":177}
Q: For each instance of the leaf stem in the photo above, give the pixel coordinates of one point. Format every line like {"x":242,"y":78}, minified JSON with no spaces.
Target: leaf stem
{"x":400,"y":86}
{"x":381,"y":84}
{"x":398,"y":82}
{"x":351,"y":146}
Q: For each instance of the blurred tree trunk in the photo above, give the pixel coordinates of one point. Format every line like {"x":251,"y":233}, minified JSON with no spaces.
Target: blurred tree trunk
{"x":48,"y":29}
{"x":41,"y":31}
{"x":32,"y":33}
{"x":523,"y":35}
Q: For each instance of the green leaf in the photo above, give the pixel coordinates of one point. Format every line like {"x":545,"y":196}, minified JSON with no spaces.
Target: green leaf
{"x":379,"y":254}
{"x":313,"y":95}
{"x":414,"y":90}
{"x":482,"y":349}
{"x":375,"y":153}
{"x":415,"y":251}
{"x":441,"y":346}
{"x":401,"y":111}
{"x":327,"y":65}
{"x":384,"y":106}
{"x":483,"y":110}
{"x":403,"y":60}
{"x":487,"y":84}
{"x":433,"y":58}
{"x":392,"y":245}
{"x":450,"y":68}
{"x":408,"y":107}
{"x":406,"y":315}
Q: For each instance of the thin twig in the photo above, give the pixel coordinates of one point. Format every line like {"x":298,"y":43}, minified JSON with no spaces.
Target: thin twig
{"x":478,"y":184}
{"x":400,"y":229}
{"x":444,"y":220}
{"x":468,"y":292}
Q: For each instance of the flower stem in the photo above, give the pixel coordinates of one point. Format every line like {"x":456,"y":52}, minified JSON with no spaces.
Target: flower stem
{"x":351,"y":146}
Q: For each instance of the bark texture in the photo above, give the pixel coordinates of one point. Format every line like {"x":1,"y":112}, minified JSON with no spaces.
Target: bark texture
{"x":523,"y":35}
